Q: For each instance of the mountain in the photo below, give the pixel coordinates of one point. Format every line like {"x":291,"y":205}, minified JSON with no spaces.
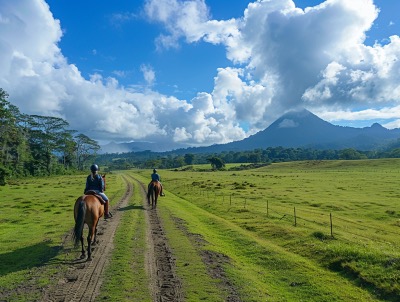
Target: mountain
{"x":306,"y":130}
{"x":114,"y":147}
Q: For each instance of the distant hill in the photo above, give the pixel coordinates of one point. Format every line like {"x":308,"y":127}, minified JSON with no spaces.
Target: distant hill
{"x":114,"y":147}
{"x":306,"y":130}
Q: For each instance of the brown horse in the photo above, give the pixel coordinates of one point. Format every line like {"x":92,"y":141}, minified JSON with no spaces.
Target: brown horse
{"x":88,"y":209}
{"x":154,"y":191}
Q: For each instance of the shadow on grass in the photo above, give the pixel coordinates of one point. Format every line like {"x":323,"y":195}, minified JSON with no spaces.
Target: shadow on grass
{"x":131,"y":207}
{"x":28,"y":257}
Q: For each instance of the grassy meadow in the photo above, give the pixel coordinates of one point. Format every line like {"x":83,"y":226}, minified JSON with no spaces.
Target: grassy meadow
{"x":37,"y":213}
{"x":297,"y":231}
{"x":274,"y":224}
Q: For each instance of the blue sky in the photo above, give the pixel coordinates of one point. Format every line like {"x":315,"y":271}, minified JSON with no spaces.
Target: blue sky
{"x":200,"y":72}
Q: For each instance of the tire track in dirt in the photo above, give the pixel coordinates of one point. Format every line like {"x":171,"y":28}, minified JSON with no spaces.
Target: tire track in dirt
{"x":83,"y":279}
{"x":160,"y":263}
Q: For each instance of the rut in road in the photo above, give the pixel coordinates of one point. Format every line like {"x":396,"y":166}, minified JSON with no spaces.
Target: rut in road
{"x":83,"y":279}
{"x":165,"y":285}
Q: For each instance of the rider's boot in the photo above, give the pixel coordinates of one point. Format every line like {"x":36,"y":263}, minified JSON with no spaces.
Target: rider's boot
{"x":107,"y":214}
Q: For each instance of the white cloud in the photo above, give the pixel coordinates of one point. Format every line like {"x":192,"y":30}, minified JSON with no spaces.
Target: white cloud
{"x":282,"y":58}
{"x":148,"y":74}
{"x":40,"y":81}
{"x":287,"y":123}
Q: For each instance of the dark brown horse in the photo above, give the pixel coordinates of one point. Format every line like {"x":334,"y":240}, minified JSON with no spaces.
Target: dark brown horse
{"x":88,"y":210}
{"x":154,"y":191}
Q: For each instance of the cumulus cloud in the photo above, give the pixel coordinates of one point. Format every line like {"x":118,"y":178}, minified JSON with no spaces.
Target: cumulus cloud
{"x":282,"y":58}
{"x":40,"y":80}
{"x":288,"y":123}
{"x":148,"y":74}
{"x":314,"y":58}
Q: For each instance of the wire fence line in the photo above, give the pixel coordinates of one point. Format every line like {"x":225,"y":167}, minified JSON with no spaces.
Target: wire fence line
{"x":326,"y":219}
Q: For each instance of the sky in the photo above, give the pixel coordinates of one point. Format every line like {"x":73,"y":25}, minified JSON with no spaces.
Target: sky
{"x":200,"y":72}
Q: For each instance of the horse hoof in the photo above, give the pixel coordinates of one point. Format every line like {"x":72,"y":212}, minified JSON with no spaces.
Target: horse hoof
{"x":83,"y":256}
{"x":89,"y":259}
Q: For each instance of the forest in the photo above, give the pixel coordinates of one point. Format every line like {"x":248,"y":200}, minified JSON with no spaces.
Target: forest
{"x":34,"y":145}
{"x":258,"y":157}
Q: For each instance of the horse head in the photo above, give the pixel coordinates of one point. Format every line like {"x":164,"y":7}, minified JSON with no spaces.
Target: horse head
{"x":104,"y":180}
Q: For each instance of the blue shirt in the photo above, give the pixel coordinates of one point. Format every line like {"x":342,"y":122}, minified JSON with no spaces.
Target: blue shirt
{"x":155,"y":177}
{"x":94,"y":183}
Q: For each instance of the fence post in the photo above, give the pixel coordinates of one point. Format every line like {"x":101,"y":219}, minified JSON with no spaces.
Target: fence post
{"x":295,"y":219}
{"x":330,"y":215}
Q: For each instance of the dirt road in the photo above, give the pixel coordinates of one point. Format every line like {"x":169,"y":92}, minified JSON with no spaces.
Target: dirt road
{"x":83,"y":279}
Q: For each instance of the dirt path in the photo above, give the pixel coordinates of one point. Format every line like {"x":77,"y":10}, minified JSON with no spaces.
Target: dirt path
{"x":83,"y":279}
{"x":160,"y":263}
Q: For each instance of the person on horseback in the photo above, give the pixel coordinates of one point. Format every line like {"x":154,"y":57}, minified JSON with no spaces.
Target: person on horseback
{"x":94,"y":182}
{"x":156,"y":177}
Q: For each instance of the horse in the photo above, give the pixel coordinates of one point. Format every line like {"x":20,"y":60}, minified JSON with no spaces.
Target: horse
{"x":154,"y":190}
{"x":88,"y":209}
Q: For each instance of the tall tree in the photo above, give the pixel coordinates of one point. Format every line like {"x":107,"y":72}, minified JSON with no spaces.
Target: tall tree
{"x":45,"y":134}
{"x":11,"y":140}
{"x":67,"y":147}
{"x":86,"y":148}
{"x":189,"y":158}
{"x":216,"y":162}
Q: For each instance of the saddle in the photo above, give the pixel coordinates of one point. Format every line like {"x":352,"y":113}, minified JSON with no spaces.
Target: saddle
{"x":91,"y":192}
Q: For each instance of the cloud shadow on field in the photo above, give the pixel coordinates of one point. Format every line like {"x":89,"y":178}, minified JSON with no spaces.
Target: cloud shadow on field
{"x":28,"y":257}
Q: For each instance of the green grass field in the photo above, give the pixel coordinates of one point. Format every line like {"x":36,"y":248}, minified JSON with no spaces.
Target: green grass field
{"x":251,"y":214}
{"x":271,"y":226}
{"x":37,"y":213}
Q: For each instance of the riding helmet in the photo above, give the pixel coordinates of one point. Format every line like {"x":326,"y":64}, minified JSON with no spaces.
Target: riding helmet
{"x":154,"y":171}
{"x":94,"y":168}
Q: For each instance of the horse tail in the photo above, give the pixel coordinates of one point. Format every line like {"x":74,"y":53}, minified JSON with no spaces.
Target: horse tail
{"x":80,"y":222}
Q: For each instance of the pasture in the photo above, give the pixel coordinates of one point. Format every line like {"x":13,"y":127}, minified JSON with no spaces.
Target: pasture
{"x":249,"y":216}
{"x":298,"y":231}
{"x":37,"y":213}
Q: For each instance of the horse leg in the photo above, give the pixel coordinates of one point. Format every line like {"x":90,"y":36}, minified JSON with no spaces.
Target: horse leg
{"x":95,"y":234}
{"x":83,"y":255}
{"x":89,"y":241}
{"x":148,"y":194}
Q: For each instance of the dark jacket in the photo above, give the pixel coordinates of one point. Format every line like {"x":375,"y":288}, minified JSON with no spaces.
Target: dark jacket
{"x":94,"y":183}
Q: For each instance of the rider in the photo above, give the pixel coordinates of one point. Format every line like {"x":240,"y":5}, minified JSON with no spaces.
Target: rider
{"x":94,"y":182}
{"x":156,"y":177}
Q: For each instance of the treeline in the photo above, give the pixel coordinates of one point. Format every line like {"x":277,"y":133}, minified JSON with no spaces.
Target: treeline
{"x":168,"y":160}
{"x":34,"y":145}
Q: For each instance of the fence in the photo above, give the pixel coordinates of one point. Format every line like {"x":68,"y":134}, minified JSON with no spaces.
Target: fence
{"x":332,"y":222}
